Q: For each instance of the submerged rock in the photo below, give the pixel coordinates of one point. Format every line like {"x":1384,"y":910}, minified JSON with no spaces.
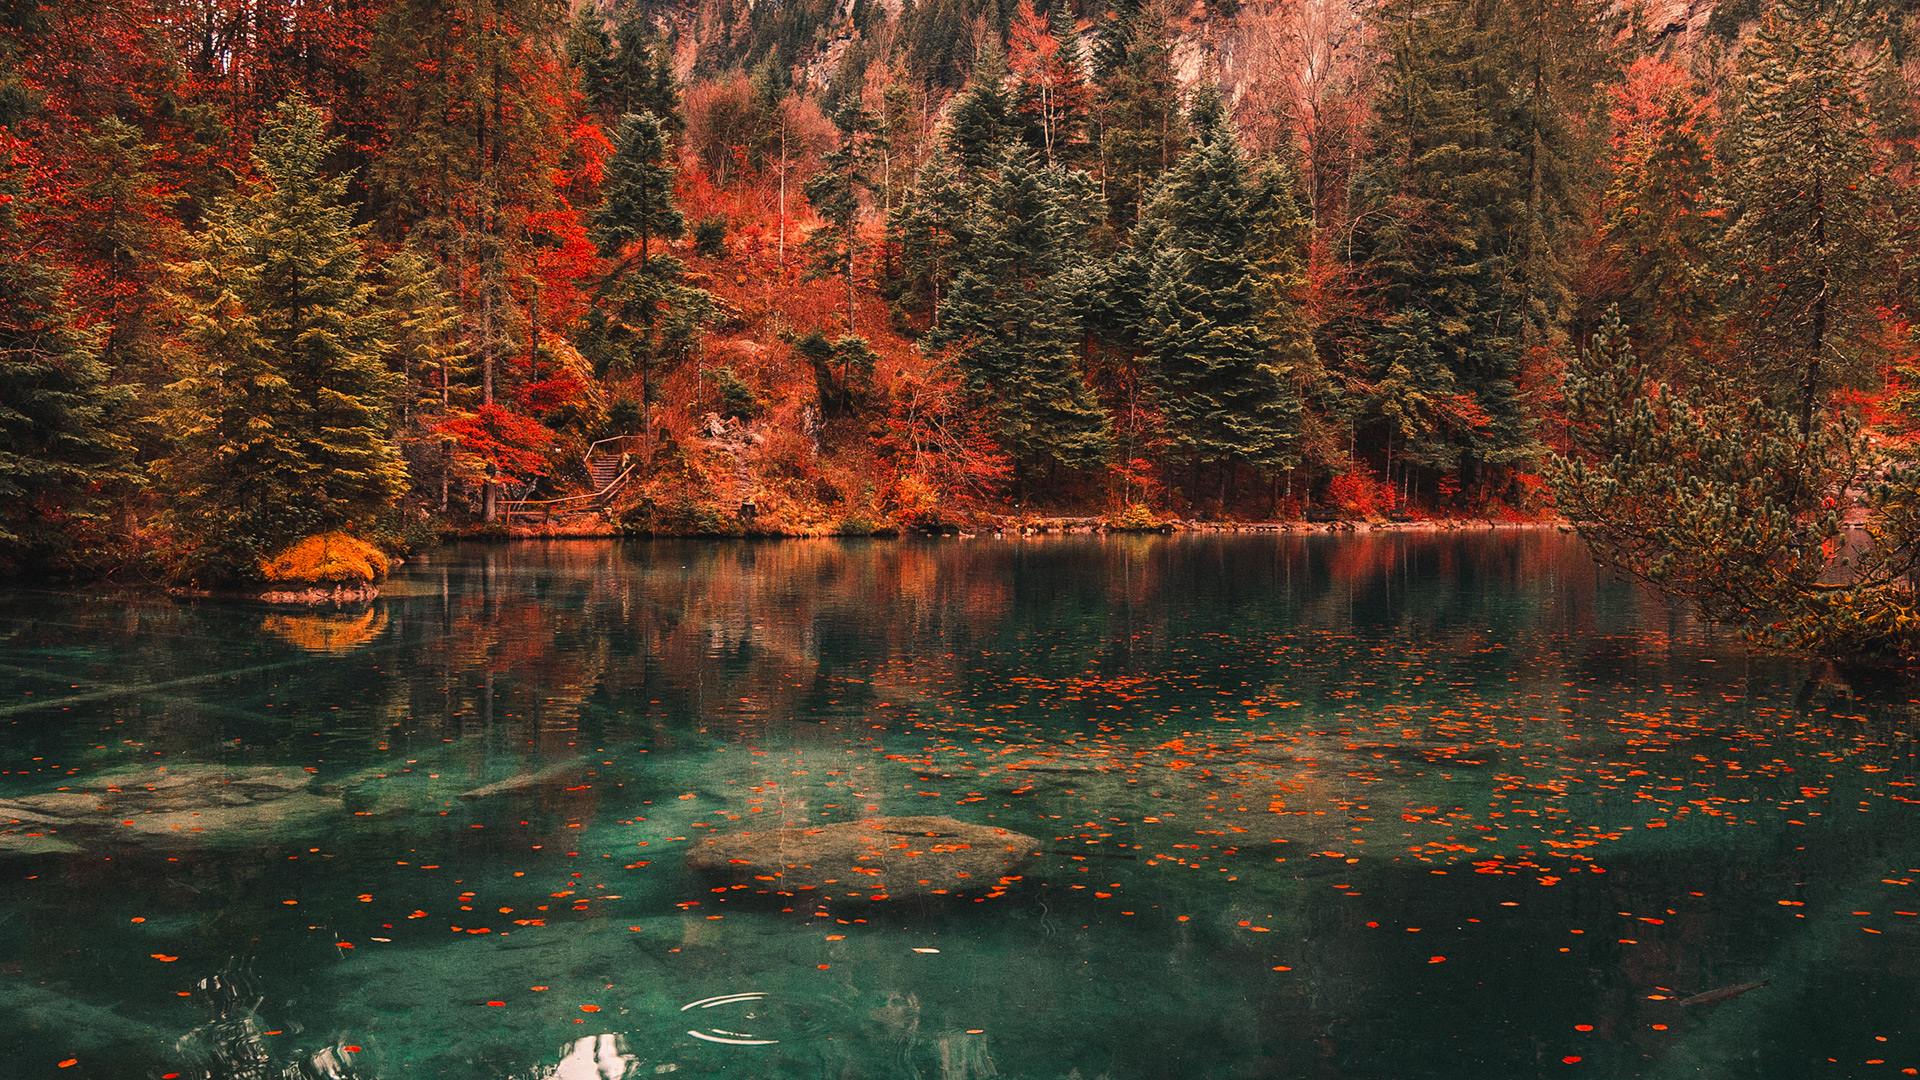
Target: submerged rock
{"x":174,"y":804}
{"x":886,"y":857}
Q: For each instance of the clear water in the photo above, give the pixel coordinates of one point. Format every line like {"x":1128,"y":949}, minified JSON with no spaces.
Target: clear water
{"x":1369,"y":806}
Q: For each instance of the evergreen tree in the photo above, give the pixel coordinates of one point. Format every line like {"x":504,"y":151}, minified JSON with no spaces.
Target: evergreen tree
{"x":1810,"y":252}
{"x":1278,"y":239}
{"x":628,"y":71}
{"x":476,"y":131}
{"x":123,"y":237}
{"x":434,"y":385}
{"x":1052,"y":99}
{"x":59,"y":453}
{"x":1661,"y":225}
{"x":1443,"y":212}
{"x":1735,"y":507}
{"x":639,"y":202}
{"x":1137,"y":106}
{"x":643,"y":313}
{"x":834,"y":192}
{"x":981,"y":117}
{"x":930,"y":228}
{"x":284,"y":422}
{"x":1013,"y":314}
{"x":1218,"y":386}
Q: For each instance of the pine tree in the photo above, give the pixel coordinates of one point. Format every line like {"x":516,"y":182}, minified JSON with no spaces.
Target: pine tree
{"x":1013,"y":316}
{"x":1663,"y":226}
{"x":834,"y":192}
{"x":628,"y":71}
{"x":284,"y":422}
{"x":639,"y":201}
{"x":59,"y":452}
{"x":930,"y":229}
{"x":643,"y":313}
{"x":476,"y":132}
{"x":1736,"y":508}
{"x":981,"y":117}
{"x":1217,"y":383}
{"x":1137,"y":106}
{"x":434,"y":384}
{"x":1809,"y":254}
{"x":1278,"y":242}
{"x":1052,"y":98}
{"x":123,"y":236}
{"x":1443,"y":209}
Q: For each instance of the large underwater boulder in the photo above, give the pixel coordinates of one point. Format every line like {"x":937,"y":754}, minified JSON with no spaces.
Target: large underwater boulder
{"x":878,"y":858}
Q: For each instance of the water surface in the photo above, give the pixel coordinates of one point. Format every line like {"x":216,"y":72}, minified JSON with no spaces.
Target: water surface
{"x":1390,"y":805}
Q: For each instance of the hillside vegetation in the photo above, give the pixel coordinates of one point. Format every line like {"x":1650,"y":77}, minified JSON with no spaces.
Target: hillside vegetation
{"x":404,"y":268}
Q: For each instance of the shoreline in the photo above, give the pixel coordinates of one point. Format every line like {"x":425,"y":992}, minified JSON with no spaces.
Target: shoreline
{"x":1052,"y":525}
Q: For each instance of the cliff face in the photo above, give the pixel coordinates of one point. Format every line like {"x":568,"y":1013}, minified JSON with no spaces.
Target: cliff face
{"x":1266,"y":50}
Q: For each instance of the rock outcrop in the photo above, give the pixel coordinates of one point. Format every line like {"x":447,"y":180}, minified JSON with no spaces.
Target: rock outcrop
{"x":170,"y":805}
{"x":878,"y":858}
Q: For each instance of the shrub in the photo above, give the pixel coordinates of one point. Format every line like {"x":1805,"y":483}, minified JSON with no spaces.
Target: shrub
{"x":328,"y":558}
{"x":710,"y":237}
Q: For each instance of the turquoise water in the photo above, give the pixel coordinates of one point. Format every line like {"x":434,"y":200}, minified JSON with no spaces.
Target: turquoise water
{"x":1385,"y":805}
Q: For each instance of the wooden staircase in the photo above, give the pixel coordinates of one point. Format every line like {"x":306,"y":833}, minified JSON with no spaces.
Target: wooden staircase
{"x":605,"y":469}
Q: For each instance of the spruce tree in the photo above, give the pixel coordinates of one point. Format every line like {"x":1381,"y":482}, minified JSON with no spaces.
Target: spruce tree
{"x":1278,"y":238}
{"x":1141,"y":130}
{"x":59,"y":452}
{"x":639,"y":203}
{"x":434,"y":373}
{"x":834,"y":192}
{"x":1442,"y":210}
{"x":1810,"y":254}
{"x":1213,"y":365}
{"x":643,"y":314}
{"x":285,"y":412}
{"x":930,"y":229}
{"x":1013,"y":316}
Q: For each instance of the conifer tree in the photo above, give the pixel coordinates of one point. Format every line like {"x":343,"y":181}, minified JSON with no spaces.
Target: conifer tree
{"x":834,"y":192}
{"x":1137,"y":106}
{"x":627,"y":71}
{"x":1443,"y":208}
{"x":123,"y":237}
{"x":982,"y":116}
{"x":639,"y":202}
{"x":930,"y":229}
{"x":1217,"y":382}
{"x":1809,"y":253}
{"x":1013,"y":314}
{"x":285,"y":410}
{"x":643,"y":313}
{"x":1278,"y":239}
{"x":1052,"y":99}
{"x":1663,"y":226}
{"x":434,"y":384}
{"x":59,"y":452}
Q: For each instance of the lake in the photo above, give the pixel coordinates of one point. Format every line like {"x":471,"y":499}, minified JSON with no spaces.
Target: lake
{"x":1383,"y":805}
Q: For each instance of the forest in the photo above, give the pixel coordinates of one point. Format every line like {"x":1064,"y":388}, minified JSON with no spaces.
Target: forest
{"x":403,"y":269}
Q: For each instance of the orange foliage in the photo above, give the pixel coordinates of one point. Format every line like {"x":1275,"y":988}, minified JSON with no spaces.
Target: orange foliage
{"x":1358,"y":493}
{"x":332,"y":557}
